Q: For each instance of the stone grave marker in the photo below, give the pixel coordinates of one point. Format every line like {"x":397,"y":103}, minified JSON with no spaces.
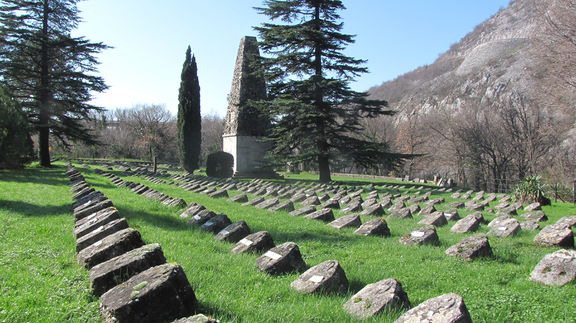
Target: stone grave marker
{"x":505,"y":228}
{"x":255,"y":242}
{"x":555,"y":235}
{"x":254,"y":201}
{"x":198,"y":318}
{"x":447,"y":308}
{"x":568,"y":221}
{"x":234,"y":232}
{"x":471,"y":247}
{"x":347,"y":221}
{"x":530,"y":225}
{"x":469,"y":223}
{"x":266,"y":204}
{"x":424,"y":235}
{"x":375,"y":210}
{"x":286,"y":206}
{"x":283,"y":259}
{"x":331,"y":204}
{"x":375,"y":298}
{"x":93,"y":209}
{"x":325,"y":215}
{"x":303,"y":211}
{"x":327,"y":277}
{"x":556,"y":269}
{"x":100,"y":233}
{"x":436,"y":219}
{"x":404,"y":213}
{"x":219,"y":194}
{"x":537,"y":216}
{"x":451,"y":215}
{"x":159,"y":294}
{"x":375,"y":227}
{"x":110,"y":247}
{"x":353,"y":207}
{"x":115,"y":271}
{"x":312,"y":200}
{"x":240,"y":198}
{"x":216,"y":223}
{"x":201,"y":217}
{"x":533,"y":207}
{"x":95,"y":220}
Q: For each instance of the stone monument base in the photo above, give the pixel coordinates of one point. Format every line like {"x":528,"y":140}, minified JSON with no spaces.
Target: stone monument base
{"x":248,"y":152}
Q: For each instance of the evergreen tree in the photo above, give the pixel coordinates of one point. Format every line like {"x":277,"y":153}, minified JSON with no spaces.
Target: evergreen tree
{"x":315,"y":113}
{"x":50,"y":73}
{"x":15,"y":142}
{"x":189,"y":122}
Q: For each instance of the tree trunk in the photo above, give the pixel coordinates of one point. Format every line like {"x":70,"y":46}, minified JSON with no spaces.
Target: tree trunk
{"x":322,"y":144}
{"x":44,"y":102}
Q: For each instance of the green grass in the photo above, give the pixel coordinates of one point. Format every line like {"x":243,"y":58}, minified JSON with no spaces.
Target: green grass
{"x":230,"y":287}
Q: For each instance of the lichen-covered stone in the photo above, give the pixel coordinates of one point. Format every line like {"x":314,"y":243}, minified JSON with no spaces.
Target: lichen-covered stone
{"x":556,"y":269}
{"x":216,"y":223}
{"x":100,"y":233}
{"x":424,"y":235}
{"x":303,"y":211}
{"x":471,"y":247}
{"x":240,"y":198}
{"x":234,"y":232}
{"x":325,"y":215}
{"x":255,"y":242}
{"x":286,"y":206}
{"x":93,"y":209}
{"x":110,"y":247}
{"x":159,"y":294}
{"x":377,"y":297}
{"x":375,"y":227}
{"x":375,"y":209}
{"x":447,"y":308}
{"x":436,"y":219}
{"x":505,"y":228}
{"x":283,"y":259}
{"x":555,"y":235}
{"x":95,"y":220}
{"x":327,"y":277}
{"x":347,"y":221}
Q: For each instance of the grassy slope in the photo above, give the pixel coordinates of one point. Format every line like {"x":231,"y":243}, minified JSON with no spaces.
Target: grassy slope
{"x":39,"y":278}
{"x":229,"y":286}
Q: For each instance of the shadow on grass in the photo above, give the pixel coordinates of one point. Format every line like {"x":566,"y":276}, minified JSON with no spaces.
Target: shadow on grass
{"x":215,"y":312}
{"x":29,"y":209}
{"x":46,"y":176}
{"x":307,"y":236}
{"x":158,"y":220}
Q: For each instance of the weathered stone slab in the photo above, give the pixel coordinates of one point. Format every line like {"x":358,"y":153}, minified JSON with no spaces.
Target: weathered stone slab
{"x":375,"y":209}
{"x":533,"y":207}
{"x":254,"y":201}
{"x":93,"y":209}
{"x":283,"y":259}
{"x":424,"y":235}
{"x":538,"y":216}
{"x":353,"y":207}
{"x":455,"y":205}
{"x":447,"y":308}
{"x":325,"y":215}
{"x":347,"y":221}
{"x":174,"y":202}
{"x":471,"y":247}
{"x":499,"y":220}
{"x":100,"y":233}
{"x":475,"y":206}
{"x":568,"y":221}
{"x":451,"y":215}
{"x":470,"y":223}
{"x":399,"y":205}
{"x":298,"y":198}
{"x":85,"y":191}
{"x":110,"y":247}
{"x":375,"y":298}
{"x":266,"y":204}
{"x":89,"y":223}
{"x":556,"y":269}
{"x":240,"y":198}
{"x":159,"y":294}
{"x":201,"y":217}
{"x":89,"y":200}
{"x":555,"y":235}
{"x":404,"y":213}
{"x":192,"y":210}
{"x":375,"y":227}
{"x":530,"y":225}
{"x":427,"y":210}
{"x":509,"y":210}
{"x":326,"y":277}
{"x":286,"y":206}
{"x":216,"y":223}
{"x":436,"y":219}
{"x":303,"y":211}
{"x":312,"y":200}
{"x":414,"y":208}
{"x":505,"y":228}
{"x":198,"y":318}
{"x":234,"y":232}
{"x":331,"y":204}
{"x":117,"y":270}
{"x":255,"y":242}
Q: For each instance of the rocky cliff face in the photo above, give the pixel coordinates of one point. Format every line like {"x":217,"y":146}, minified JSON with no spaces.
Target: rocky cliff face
{"x":501,"y":59}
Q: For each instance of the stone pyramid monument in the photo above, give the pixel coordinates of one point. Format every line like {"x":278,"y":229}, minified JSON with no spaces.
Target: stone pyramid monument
{"x":245,"y":126}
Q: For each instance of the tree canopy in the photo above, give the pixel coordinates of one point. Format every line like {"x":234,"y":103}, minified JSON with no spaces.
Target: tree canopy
{"x":50,"y":73}
{"x":316,"y":115}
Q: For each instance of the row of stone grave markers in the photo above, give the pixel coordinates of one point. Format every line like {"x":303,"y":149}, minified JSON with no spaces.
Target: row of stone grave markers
{"x":132,"y":279}
{"x":504,"y":225}
{"x":326,"y":277}
{"x":143,"y":190}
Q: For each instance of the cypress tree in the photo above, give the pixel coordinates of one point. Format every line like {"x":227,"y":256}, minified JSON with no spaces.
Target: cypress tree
{"x":189,"y":121}
{"x":50,"y":73}
{"x":316,"y":116}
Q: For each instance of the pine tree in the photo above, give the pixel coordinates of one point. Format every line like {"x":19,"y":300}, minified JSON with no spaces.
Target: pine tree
{"x":189,"y":122}
{"x":50,"y":73}
{"x":316,"y":114}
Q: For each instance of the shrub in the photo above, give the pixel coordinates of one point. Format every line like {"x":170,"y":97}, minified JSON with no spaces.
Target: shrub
{"x":220,"y":164}
{"x":530,"y":190}
{"x":16,"y":148}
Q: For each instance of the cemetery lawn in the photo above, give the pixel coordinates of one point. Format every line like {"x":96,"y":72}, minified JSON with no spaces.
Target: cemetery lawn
{"x":40,"y":281}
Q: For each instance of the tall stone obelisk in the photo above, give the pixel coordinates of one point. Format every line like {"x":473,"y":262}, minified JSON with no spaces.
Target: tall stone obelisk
{"x":245,"y":125}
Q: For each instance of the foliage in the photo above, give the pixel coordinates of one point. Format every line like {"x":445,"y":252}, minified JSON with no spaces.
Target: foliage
{"x":15,"y":143}
{"x":316,"y":115}
{"x":50,"y":73}
{"x":531,"y":189}
{"x":220,"y":164}
{"x":189,"y":123}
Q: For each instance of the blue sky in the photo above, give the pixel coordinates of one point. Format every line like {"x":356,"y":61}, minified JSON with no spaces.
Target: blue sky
{"x":150,"y":39}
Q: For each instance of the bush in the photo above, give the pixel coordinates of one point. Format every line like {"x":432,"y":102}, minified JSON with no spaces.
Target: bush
{"x":530,"y":190}
{"x":16,"y":148}
{"x":220,"y":164}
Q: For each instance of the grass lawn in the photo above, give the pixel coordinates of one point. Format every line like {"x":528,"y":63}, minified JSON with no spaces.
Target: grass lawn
{"x":41,"y":282}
